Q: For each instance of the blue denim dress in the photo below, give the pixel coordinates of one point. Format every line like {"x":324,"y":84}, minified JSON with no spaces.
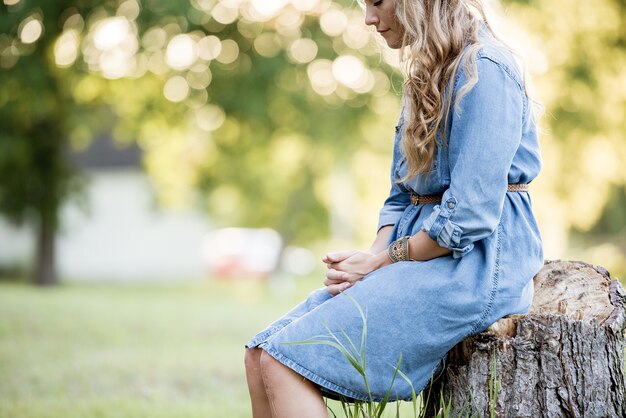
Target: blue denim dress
{"x":419,"y":310}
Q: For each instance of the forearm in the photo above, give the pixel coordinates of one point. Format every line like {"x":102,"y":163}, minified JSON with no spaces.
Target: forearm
{"x":421,"y":248}
{"x":382,"y":239}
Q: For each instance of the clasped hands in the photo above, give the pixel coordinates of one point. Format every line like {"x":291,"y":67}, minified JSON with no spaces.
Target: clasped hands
{"x":348,"y":267}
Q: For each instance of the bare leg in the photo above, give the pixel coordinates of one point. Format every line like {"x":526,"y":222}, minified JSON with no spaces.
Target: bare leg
{"x":290,"y":395}
{"x":258,"y":397}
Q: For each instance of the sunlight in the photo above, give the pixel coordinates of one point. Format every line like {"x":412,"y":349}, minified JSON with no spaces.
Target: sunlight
{"x":199,"y":77}
{"x":210,"y":117}
{"x":129,"y":9}
{"x":305,"y":5}
{"x":156,"y":63}
{"x":288,"y":23}
{"x":267,"y":9}
{"x":116,"y":63}
{"x":154,"y":39}
{"x":224,"y":14}
{"x":356,"y":34}
{"x":30,"y":30}
{"x":321,"y":76}
{"x":66,"y":48}
{"x":75,"y":22}
{"x":113,"y":48}
{"x":181,"y":52}
{"x":229,"y":53}
{"x":176,"y":89}
{"x":302,"y":51}
{"x":209,"y":47}
{"x":111,"y":33}
{"x":267,"y":44}
{"x":349,"y":71}
{"x":333,"y":22}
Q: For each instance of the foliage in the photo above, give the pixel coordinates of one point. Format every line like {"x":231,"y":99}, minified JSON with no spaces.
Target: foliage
{"x":257,"y":110}
{"x":226,"y":98}
{"x":33,"y":114}
{"x":576,"y":53}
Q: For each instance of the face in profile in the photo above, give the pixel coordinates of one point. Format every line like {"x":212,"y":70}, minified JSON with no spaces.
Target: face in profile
{"x":381,"y":15}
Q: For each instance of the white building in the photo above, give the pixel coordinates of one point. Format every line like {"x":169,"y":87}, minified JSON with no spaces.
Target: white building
{"x":122,"y":235}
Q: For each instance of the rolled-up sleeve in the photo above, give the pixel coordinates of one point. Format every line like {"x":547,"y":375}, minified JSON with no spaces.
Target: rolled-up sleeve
{"x":484,"y":134}
{"x":398,"y":198}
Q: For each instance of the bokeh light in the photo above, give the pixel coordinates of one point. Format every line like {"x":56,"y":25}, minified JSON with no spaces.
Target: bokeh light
{"x":66,"y":48}
{"x":333,"y":22}
{"x":268,"y":44}
{"x":321,"y":77}
{"x":210,"y":117}
{"x":30,"y":30}
{"x":229,"y":52}
{"x":130,"y":9}
{"x":265,"y":10}
{"x":176,"y":89}
{"x":224,"y":14}
{"x":305,"y":5}
{"x":351,"y":72}
{"x":111,"y":33}
{"x":209,"y":47}
{"x":302,"y":51}
{"x":199,"y":77}
{"x":181,"y":52}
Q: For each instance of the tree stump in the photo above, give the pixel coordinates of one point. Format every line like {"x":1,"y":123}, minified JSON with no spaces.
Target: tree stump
{"x":565,"y":358}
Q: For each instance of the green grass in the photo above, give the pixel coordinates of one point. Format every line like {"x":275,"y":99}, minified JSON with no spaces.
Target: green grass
{"x":85,"y":350}
{"x":140,"y":350}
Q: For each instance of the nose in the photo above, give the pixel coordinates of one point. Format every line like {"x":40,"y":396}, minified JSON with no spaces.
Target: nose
{"x":371,"y":18}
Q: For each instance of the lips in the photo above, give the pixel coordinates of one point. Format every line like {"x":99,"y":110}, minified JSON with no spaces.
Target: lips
{"x":383,"y":31}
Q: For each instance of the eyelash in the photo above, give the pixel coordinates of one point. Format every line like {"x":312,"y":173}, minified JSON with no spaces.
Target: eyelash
{"x":377,"y":3}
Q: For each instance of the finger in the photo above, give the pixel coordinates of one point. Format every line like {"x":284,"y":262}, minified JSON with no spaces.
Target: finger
{"x":335,"y":289}
{"x":337,"y":256}
{"x":328,"y":282}
{"x":333,"y":274}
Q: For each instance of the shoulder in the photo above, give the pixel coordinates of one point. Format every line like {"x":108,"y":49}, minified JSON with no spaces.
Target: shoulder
{"x":493,"y":53}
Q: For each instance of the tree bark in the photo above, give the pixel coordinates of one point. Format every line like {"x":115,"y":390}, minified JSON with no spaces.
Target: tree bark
{"x":45,"y":271}
{"x":564,"y":359}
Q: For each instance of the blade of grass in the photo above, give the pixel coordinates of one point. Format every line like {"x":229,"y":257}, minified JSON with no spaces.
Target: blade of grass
{"x":383,"y":404}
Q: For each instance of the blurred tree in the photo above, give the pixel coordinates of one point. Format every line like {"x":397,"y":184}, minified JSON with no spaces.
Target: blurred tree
{"x":579,"y":76}
{"x":34,"y":111}
{"x":251,"y":108}
{"x":237,"y":99}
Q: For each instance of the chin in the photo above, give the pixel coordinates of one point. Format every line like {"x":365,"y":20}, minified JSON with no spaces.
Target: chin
{"x":395,"y":45}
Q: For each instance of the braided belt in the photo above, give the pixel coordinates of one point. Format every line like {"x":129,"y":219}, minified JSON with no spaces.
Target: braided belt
{"x":436,"y":198}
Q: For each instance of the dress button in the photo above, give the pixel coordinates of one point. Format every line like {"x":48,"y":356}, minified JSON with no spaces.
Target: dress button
{"x":450,"y":205}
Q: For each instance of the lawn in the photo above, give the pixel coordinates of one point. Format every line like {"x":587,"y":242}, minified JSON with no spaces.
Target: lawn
{"x":134,"y":350}
{"x":106,"y":350}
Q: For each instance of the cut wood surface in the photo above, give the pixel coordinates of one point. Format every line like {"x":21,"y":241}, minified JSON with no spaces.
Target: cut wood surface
{"x":563,"y":359}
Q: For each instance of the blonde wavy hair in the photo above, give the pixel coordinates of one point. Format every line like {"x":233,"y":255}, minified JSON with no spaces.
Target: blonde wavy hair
{"x":439,"y":35}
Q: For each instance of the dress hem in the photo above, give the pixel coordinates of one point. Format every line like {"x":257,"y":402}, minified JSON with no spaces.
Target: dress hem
{"x":327,"y":385}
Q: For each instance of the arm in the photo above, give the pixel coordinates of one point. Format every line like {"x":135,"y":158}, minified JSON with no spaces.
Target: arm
{"x":347,"y":268}
{"x":483,"y":139}
{"x":337,"y":280}
{"x":398,"y":198}
{"x":382,"y":239}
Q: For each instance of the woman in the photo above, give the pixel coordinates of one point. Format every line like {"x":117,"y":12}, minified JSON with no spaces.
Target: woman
{"x":457,"y":244}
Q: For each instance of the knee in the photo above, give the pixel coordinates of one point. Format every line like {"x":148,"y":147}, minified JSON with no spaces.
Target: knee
{"x":270,"y":367}
{"x":251,"y":359}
